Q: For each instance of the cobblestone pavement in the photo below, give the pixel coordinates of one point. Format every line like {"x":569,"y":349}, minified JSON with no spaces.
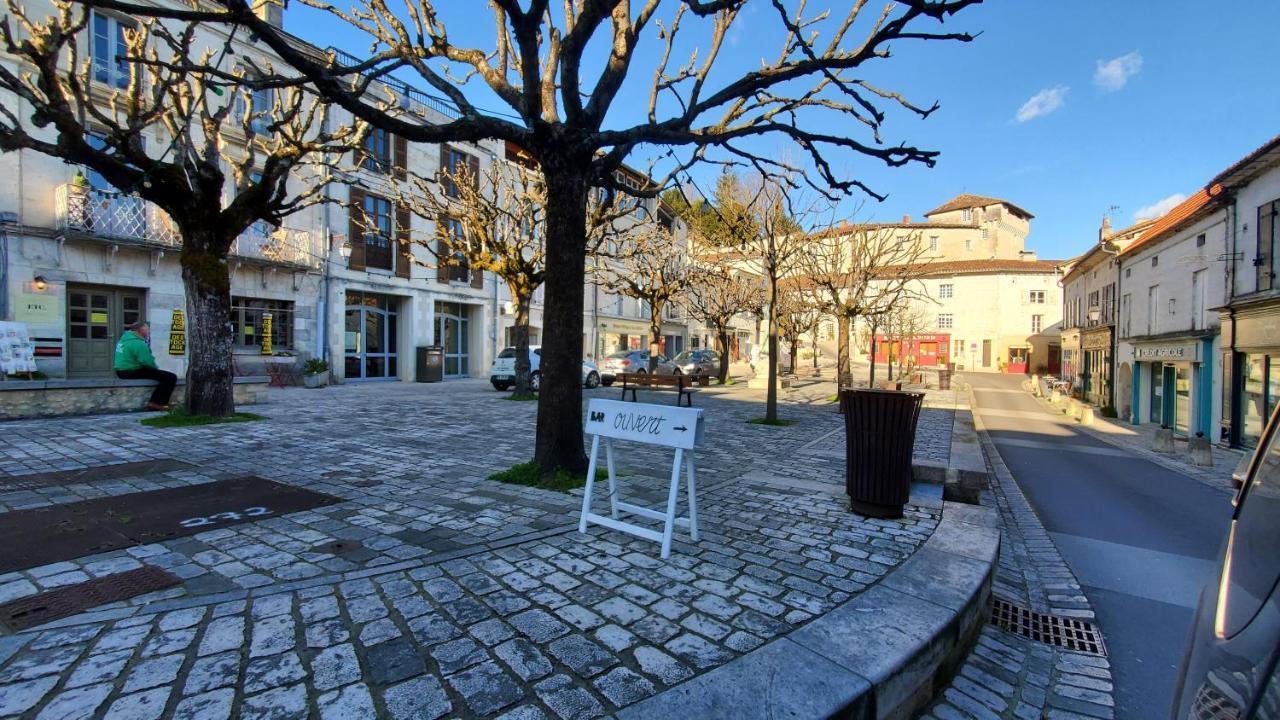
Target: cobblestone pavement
{"x":1006,"y":675}
{"x":450,"y":594}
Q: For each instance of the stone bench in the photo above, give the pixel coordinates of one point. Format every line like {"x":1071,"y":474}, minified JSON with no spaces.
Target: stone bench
{"x":92,"y":396}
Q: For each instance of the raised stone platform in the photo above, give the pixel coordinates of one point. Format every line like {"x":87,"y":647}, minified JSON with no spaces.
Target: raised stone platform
{"x":20,"y":399}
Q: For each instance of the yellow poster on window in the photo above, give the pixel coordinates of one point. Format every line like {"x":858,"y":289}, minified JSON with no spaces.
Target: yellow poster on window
{"x":177,"y":334}
{"x":266,"y":334}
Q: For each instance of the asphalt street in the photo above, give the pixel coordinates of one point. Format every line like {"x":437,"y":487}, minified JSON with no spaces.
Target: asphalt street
{"x":1141,"y":539}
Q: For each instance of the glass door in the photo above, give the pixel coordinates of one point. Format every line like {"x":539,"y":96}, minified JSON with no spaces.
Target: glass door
{"x":451,"y":334}
{"x":369,"y":337}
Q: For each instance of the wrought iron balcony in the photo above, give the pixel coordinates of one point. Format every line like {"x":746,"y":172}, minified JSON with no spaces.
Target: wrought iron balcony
{"x":119,"y":217}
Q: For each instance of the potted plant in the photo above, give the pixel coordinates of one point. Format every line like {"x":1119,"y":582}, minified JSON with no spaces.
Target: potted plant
{"x":315,"y":373}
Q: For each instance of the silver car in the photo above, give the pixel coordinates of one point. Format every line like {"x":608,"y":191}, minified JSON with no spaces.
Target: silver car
{"x":697,"y":362}
{"x":631,"y":361}
{"x":1230,"y":669}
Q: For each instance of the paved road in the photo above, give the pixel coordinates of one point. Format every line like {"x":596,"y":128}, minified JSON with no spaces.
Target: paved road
{"x":1140,"y":538}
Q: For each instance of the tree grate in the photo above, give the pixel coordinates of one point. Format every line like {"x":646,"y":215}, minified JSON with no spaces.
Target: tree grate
{"x":1064,"y":632}
{"x":35,"y":610}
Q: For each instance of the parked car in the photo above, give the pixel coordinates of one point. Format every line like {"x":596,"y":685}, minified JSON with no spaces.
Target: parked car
{"x":632,"y":361}
{"x":502,"y":374}
{"x":1230,"y":669}
{"x":697,"y":362}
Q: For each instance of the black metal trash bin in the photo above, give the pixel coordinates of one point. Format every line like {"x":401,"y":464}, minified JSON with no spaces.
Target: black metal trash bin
{"x":880,"y":434}
{"x":430,"y":363}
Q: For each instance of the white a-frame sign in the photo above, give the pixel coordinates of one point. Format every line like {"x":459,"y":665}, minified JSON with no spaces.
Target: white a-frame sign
{"x":675,"y":427}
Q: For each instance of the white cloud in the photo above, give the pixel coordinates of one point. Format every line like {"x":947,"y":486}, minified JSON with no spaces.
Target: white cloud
{"x":1159,"y":208}
{"x":1042,"y":103}
{"x":1112,"y":75}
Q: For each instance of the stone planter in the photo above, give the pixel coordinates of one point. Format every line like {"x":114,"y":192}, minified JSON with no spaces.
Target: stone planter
{"x":316,"y":380}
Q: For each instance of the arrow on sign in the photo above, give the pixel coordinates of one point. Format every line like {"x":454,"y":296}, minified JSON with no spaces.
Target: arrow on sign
{"x":681,"y":428}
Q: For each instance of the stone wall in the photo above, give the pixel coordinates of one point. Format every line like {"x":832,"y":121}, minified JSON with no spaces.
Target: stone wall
{"x":32,"y":399}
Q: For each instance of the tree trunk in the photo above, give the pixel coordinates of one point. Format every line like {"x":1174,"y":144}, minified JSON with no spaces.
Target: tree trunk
{"x":655,"y":335}
{"x":210,"y":374}
{"x":522,"y":301}
{"x":814,"y":336}
{"x":559,"y":435}
{"x":722,"y":337}
{"x":871,"y":380}
{"x":771,"y":394}
{"x":791,"y":361}
{"x":843,"y":375}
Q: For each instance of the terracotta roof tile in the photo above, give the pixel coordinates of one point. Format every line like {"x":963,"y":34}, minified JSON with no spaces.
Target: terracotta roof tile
{"x":1193,"y":207}
{"x":960,"y":202}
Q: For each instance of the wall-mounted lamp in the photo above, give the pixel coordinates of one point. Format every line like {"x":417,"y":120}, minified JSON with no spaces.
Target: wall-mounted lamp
{"x":39,"y":283}
{"x":345,"y":250}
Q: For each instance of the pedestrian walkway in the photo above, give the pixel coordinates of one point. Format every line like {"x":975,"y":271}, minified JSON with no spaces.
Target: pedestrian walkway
{"x":427,"y":590}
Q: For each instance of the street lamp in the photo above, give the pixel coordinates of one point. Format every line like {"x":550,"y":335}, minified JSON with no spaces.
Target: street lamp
{"x":345,"y":249}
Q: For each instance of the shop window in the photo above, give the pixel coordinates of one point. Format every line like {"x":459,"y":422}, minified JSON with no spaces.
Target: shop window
{"x":1259,"y":392}
{"x":246,"y":321}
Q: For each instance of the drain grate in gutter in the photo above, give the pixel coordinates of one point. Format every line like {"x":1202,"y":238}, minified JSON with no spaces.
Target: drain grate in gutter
{"x":1064,"y":632}
{"x":33,"y":610}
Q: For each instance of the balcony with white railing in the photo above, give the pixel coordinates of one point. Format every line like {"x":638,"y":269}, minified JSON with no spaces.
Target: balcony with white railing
{"x":121,"y":218}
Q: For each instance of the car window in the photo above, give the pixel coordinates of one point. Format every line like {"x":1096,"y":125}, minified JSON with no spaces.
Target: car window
{"x":1252,"y":569}
{"x":620,"y":354}
{"x":686,"y":356}
{"x":507,"y":353}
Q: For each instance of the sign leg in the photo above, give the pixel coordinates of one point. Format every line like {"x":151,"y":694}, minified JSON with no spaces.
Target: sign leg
{"x":613,"y":478}
{"x":692,"y":475}
{"x":672,"y":494}
{"x":591,"y":481}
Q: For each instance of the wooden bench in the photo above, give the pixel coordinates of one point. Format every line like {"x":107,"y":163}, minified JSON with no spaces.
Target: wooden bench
{"x":682,"y":384}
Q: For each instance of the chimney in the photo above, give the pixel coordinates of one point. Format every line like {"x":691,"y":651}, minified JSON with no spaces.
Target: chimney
{"x":906,"y":219}
{"x":270,"y":10}
{"x":1105,"y":231}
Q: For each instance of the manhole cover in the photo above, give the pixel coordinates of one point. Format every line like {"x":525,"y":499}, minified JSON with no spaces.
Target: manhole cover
{"x":28,"y":612}
{"x":1064,"y":632}
{"x":29,"y":538}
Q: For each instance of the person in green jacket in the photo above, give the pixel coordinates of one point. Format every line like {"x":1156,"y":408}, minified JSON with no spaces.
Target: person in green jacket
{"x":134,"y":361}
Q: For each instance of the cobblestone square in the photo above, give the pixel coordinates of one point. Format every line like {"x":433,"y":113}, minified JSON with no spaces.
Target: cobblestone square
{"x":430,"y":590}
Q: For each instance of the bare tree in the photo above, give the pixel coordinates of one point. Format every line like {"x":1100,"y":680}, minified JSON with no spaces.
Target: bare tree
{"x":716,"y":296}
{"x":894,"y":287}
{"x":850,"y":268}
{"x":764,"y":217}
{"x":903,"y":322}
{"x":650,"y":264}
{"x":795,"y":315}
{"x":97,"y":114}
{"x":559,"y":71}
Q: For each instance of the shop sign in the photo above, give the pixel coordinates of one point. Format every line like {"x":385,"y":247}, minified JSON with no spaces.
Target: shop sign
{"x":1171,"y":353}
{"x":1096,"y":341}
{"x":36,"y":309}
{"x":177,"y":334}
{"x":266,"y":335}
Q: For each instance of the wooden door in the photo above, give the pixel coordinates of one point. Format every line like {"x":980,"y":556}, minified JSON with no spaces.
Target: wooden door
{"x":96,"y":317}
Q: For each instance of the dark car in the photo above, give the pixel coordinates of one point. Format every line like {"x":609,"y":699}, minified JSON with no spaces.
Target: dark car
{"x":631,"y":361}
{"x":1229,"y":670}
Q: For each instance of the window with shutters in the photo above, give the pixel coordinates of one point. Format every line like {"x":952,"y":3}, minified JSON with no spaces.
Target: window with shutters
{"x":376,"y":156}
{"x":108,"y":50}
{"x":1268,"y":240}
{"x":452,"y":164}
{"x":378,"y":233}
{"x":454,"y":265}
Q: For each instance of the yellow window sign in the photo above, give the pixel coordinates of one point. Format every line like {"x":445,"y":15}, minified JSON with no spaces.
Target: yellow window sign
{"x":266,"y":334}
{"x":177,"y":334}
{"x":98,"y":317}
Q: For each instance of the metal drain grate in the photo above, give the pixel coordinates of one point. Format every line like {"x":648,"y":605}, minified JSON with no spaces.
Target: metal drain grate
{"x":28,"y":612}
{"x":1064,"y":632}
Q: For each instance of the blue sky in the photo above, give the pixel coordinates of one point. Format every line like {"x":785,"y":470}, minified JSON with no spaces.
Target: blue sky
{"x":1067,"y":109}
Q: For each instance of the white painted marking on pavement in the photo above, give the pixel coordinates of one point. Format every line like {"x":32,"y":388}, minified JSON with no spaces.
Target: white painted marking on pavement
{"x":1141,"y":572}
{"x":1087,"y":449}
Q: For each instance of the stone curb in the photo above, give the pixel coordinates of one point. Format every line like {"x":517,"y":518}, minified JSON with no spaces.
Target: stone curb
{"x":882,"y":654}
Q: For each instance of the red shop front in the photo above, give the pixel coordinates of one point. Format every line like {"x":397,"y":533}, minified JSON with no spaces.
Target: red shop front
{"x":922,"y":350}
